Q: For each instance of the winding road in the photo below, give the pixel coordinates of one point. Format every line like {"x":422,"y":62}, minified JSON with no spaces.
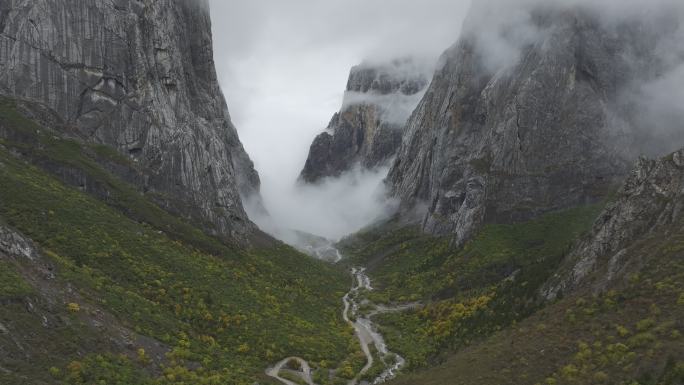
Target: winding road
{"x":305,"y":373}
{"x":365,"y":330}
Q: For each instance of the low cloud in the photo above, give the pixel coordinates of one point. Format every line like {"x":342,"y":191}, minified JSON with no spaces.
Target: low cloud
{"x":394,"y":108}
{"x":501,"y":29}
{"x":283,"y":67}
{"x":333,"y":208}
{"x":650,"y":101}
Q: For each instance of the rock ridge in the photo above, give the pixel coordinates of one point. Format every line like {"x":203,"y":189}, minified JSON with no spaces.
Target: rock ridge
{"x":543,"y":130}
{"x":138,"y":76}
{"x":367,"y":131}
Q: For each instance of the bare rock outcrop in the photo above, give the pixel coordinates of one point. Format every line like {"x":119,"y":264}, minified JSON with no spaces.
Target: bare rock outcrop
{"x":138,"y":76}
{"x":649,"y":204}
{"x":367,"y":131}
{"x":504,"y":139}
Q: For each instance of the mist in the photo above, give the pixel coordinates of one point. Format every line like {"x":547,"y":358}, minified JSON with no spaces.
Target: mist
{"x":650,"y":102}
{"x":331,"y":209}
{"x":283,"y":67}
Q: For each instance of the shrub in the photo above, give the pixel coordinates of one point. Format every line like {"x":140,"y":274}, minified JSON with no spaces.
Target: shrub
{"x":641,"y":340}
{"x":55,"y":372}
{"x":569,"y":372}
{"x":601,"y":377}
{"x":294,"y":364}
{"x":645,"y":324}
{"x":622,"y":331}
{"x":142,"y":357}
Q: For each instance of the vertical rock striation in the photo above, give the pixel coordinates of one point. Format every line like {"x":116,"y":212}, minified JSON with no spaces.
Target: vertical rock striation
{"x":367,"y":130}
{"x":138,"y":76}
{"x":505,"y":138}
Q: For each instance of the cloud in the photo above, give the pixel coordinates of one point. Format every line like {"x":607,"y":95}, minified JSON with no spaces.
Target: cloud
{"x":409,"y":78}
{"x":332,"y":209}
{"x":651,"y":100}
{"x":283,"y":66}
{"x":394,"y":108}
{"x":501,"y":29}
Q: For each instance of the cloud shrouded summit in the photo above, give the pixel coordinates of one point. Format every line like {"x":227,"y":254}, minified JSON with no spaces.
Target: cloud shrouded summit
{"x":283,"y":68}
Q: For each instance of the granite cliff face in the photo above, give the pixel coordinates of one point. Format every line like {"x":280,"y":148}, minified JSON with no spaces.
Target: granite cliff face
{"x":138,"y":76}
{"x":367,"y":130}
{"x":648,"y":207}
{"x":545,"y":130}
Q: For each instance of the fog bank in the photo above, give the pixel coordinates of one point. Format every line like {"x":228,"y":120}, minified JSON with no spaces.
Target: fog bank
{"x":283,"y":67}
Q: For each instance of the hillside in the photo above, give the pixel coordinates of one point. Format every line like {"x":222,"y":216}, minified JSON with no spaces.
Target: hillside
{"x":516,"y":256}
{"x":622,"y":321}
{"x":531,"y":233}
{"x":138,"y":77}
{"x":539,"y":125}
{"x":109,"y":286}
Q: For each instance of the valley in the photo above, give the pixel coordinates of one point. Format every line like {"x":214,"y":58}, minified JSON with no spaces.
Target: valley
{"x":510,"y":212}
{"x":381,"y":364}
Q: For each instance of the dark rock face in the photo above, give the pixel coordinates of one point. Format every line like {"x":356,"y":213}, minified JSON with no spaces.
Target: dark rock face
{"x":539,"y":133}
{"x":650,"y":203}
{"x":367,"y":131}
{"x":137,"y":76}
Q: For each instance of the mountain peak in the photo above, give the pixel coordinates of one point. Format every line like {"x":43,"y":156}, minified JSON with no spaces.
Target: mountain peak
{"x":367,"y":131}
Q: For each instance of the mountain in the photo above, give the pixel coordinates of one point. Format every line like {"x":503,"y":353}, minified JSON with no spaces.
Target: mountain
{"x":540,"y":253}
{"x":125,"y":254}
{"x":138,"y":77}
{"x":367,"y":131}
{"x":612,"y":310}
{"x":526,"y":117}
{"x":645,"y":211}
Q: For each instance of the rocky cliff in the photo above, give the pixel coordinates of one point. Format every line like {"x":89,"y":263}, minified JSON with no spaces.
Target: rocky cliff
{"x":138,"y":76}
{"x":647,"y":210}
{"x":367,"y":130}
{"x":504,"y":138}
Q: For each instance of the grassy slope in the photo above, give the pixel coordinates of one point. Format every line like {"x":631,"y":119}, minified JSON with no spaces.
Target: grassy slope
{"x":223,"y":312}
{"x":478,"y":327}
{"x":629,"y":335}
{"x":469,"y":293}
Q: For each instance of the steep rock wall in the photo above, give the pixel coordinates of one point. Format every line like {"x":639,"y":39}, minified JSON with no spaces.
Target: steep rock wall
{"x":138,"y":76}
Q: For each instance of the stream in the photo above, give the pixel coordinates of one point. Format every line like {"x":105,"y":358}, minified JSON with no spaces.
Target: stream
{"x":366,"y":332}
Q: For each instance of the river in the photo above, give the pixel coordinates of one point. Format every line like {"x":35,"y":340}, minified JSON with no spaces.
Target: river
{"x":366,"y":332}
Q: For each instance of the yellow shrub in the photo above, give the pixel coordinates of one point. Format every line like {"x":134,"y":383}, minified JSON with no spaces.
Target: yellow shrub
{"x":622,"y":331}
{"x":142,"y":356}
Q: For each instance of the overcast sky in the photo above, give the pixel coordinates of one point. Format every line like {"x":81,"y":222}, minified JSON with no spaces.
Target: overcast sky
{"x":283,"y":65}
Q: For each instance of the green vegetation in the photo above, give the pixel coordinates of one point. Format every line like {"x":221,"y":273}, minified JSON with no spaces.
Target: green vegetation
{"x":292,"y":377}
{"x":631,"y":334}
{"x":222,"y":313}
{"x":198,"y":310}
{"x":378,"y":365}
{"x":12,"y":285}
{"x":66,"y":156}
{"x":101,"y":369}
{"x":628,"y":333}
{"x":469,"y":293}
